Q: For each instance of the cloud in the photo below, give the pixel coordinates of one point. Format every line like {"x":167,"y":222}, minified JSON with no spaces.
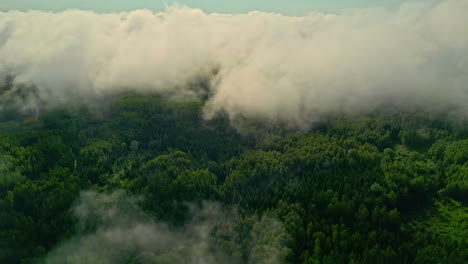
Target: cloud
{"x":113,"y":229}
{"x":260,"y":65}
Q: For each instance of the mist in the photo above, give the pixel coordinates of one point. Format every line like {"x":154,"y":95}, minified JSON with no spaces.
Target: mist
{"x":111,"y":228}
{"x":257,"y":65}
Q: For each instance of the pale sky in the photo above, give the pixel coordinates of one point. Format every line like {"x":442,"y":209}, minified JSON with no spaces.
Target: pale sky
{"x":290,"y":7}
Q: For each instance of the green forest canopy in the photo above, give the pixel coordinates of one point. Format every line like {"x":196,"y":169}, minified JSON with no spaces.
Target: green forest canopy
{"x":381,"y":188}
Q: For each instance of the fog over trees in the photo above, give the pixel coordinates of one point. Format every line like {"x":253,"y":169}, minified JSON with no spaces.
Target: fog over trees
{"x":270,"y":66}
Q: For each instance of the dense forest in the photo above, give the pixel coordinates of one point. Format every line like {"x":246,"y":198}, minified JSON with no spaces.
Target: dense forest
{"x":145,"y":179}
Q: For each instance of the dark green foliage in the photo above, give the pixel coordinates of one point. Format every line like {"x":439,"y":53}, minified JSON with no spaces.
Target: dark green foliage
{"x":376,"y":189}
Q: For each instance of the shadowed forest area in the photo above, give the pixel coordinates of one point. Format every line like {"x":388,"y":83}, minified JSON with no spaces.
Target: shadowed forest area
{"x":144,"y":179}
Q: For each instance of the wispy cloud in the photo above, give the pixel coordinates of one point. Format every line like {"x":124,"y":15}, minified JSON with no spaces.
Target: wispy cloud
{"x":113,"y":229}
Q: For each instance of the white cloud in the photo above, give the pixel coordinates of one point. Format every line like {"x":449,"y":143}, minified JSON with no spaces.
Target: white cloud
{"x":270,"y":66}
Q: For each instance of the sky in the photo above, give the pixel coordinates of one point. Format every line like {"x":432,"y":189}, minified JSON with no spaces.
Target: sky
{"x":289,"y":7}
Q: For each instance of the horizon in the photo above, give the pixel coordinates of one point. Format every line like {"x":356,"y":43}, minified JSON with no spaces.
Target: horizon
{"x":294,"y":8}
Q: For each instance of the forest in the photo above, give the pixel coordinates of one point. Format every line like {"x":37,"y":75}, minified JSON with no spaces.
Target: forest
{"x":146,"y":179}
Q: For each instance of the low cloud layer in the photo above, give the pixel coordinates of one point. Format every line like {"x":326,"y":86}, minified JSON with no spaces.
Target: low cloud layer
{"x":113,"y":229}
{"x":261,"y":65}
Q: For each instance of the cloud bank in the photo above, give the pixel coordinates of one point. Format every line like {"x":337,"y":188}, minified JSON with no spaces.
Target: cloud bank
{"x":112,"y":229}
{"x":260,"y":65}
